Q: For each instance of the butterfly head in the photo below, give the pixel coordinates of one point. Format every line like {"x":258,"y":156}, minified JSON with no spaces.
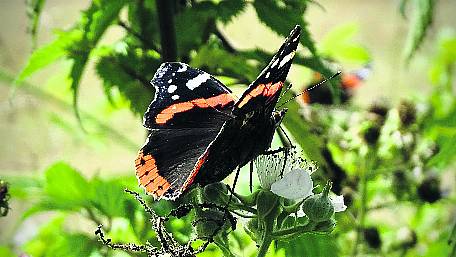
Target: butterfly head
{"x":277,"y":116}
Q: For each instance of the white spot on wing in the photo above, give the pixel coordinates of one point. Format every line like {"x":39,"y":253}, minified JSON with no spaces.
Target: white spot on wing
{"x":170,"y":80}
{"x":172,"y":88}
{"x":197,"y":81}
{"x":182,"y":68}
{"x":267,"y":74}
{"x":286,"y":59}
{"x":275,"y":63}
{"x":175,"y":97}
{"x":294,"y":39}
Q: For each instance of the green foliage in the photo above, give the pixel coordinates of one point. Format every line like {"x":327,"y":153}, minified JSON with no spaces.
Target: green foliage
{"x":377,"y":159}
{"x":419,"y":24}
{"x":34,"y":9}
{"x":339,"y":45}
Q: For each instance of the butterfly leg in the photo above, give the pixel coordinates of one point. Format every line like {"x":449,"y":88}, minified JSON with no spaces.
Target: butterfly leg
{"x":251,"y":176}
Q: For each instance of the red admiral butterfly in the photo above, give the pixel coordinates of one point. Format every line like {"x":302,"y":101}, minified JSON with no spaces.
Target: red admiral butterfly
{"x":349,"y":81}
{"x":199,"y":133}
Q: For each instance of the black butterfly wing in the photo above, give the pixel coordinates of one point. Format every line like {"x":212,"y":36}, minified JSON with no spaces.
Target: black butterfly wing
{"x":186,"y":97}
{"x":188,"y":111}
{"x":265,"y":90}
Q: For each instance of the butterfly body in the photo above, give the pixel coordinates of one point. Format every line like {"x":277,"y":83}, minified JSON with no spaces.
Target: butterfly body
{"x":199,"y":132}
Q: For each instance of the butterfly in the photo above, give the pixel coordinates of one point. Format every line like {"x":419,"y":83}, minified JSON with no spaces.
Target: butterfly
{"x":199,"y":132}
{"x":349,"y":82}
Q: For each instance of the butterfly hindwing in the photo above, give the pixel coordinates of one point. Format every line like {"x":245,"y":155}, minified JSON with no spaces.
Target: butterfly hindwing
{"x":186,"y":97}
{"x":169,"y":157}
{"x":265,"y":90}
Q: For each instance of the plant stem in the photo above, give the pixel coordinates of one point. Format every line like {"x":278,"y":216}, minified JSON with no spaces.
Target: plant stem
{"x":368,"y":163}
{"x":267,"y":239}
{"x":165,"y":10}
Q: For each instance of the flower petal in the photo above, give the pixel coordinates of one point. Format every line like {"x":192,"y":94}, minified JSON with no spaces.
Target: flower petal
{"x":338,"y":203}
{"x":296,"y":184}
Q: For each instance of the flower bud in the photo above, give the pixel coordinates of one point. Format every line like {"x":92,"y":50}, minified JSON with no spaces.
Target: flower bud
{"x":372,"y":237}
{"x":208,"y":222}
{"x":407,"y":113}
{"x":319,"y":207}
{"x":216,"y":193}
{"x":429,"y":189}
{"x":266,"y":203}
{"x":326,"y":226}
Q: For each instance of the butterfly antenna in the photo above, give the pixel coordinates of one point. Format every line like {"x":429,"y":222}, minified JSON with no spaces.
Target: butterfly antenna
{"x":312,"y":87}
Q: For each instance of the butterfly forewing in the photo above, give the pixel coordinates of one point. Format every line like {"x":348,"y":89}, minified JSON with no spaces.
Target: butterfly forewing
{"x":264,"y":91}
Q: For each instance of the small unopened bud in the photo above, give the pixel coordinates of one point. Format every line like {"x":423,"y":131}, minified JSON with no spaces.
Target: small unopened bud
{"x":208,"y":222}
{"x":326,"y":226}
{"x":429,"y":189}
{"x":372,"y":237}
{"x":407,"y":113}
{"x":216,"y":193}
{"x":319,"y":207}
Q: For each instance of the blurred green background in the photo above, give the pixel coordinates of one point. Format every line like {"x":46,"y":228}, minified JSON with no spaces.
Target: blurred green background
{"x":39,"y":127}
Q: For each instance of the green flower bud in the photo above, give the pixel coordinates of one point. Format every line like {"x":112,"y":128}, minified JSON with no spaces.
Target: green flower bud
{"x":208,"y":222}
{"x":216,"y":193}
{"x":319,"y":207}
{"x":326,"y":226}
{"x":266,"y":203}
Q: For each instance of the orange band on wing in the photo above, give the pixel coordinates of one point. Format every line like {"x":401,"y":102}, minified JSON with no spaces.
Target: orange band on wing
{"x":168,"y":113}
{"x":148,"y":177}
{"x":350,"y":81}
{"x":267,"y":90}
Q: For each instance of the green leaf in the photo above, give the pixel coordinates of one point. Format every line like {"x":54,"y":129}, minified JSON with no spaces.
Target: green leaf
{"x":93,"y":23}
{"x":216,"y":60}
{"x":419,"y":25}
{"x":301,"y":132}
{"x":338,"y":44}
{"x":6,"y":252}
{"x":109,"y":198}
{"x":311,"y":245}
{"x":47,"y":54}
{"x":129,"y":71}
{"x":53,"y":240}
{"x":64,"y":189}
{"x":34,"y":8}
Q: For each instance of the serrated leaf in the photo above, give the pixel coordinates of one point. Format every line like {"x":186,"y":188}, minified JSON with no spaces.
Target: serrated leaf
{"x":228,"y":9}
{"x":93,"y":23}
{"x":34,"y":8}
{"x":65,"y":188}
{"x":216,"y":60}
{"x":129,"y":72}
{"x":419,"y":25}
{"x":108,"y":197}
{"x":47,"y":54}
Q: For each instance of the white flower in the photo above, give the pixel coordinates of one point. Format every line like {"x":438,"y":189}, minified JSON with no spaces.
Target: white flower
{"x":338,"y":203}
{"x":296,"y":184}
{"x":290,"y":179}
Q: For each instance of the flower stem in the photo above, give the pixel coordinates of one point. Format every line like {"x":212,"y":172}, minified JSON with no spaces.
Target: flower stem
{"x":267,"y":240}
{"x":368,"y":164}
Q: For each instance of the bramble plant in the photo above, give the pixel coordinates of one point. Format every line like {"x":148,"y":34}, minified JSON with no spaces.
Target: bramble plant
{"x":374,"y":163}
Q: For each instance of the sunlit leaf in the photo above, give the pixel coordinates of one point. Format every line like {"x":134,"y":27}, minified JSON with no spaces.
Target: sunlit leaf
{"x":53,"y":240}
{"x":419,"y":25}
{"x":48,"y":54}
{"x":339,"y":44}
{"x":311,"y":245}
